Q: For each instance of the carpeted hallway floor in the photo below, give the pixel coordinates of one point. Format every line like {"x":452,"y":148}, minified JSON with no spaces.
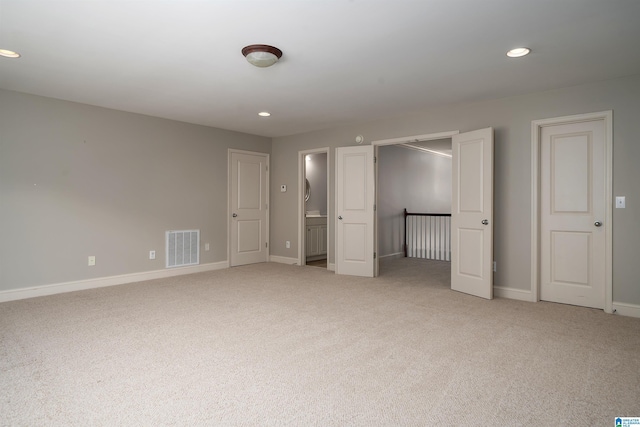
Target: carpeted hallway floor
{"x":272,"y":344}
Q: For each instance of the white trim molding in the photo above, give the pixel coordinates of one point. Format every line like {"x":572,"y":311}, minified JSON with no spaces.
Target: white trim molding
{"x":512,"y":293}
{"x":624,"y":309}
{"x":100,"y":282}
{"x":536,"y":130}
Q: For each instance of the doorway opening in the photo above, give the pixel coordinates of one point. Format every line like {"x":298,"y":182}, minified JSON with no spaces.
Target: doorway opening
{"x":414,"y":203}
{"x":314,"y":237}
{"x":471,"y":209}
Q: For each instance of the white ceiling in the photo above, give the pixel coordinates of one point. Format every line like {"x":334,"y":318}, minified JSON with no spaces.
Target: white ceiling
{"x":344,"y":60}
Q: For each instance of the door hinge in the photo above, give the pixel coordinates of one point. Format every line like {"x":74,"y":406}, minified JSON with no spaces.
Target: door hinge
{"x":374,"y":207}
{"x":266,"y":167}
{"x":374,"y":255}
{"x":375,"y":159}
{"x":266,"y":244}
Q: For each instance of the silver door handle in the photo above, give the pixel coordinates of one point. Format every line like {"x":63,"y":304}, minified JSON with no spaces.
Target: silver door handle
{"x":485,"y":221}
{"x":234,"y":215}
{"x":597,"y":223}
{"x":340,"y":217}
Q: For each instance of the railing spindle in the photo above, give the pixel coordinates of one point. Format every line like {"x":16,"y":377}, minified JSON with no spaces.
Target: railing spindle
{"x":427,"y":235}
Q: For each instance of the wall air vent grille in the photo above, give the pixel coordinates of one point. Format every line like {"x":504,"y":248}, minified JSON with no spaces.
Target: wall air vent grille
{"x":183,"y":248}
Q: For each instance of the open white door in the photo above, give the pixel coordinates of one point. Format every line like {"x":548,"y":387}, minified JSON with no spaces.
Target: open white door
{"x":355,"y":194}
{"x":248,"y":222}
{"x":472,"y":213}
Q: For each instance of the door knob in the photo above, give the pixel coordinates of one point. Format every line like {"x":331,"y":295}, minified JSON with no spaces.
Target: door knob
{"x":340,"y":217}
{"x":485,"y":221}
{"x":234,"y":215}
{"x":597,"y":223}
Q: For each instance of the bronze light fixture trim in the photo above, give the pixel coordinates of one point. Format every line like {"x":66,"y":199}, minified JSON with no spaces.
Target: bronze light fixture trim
{"x":262,"y":55}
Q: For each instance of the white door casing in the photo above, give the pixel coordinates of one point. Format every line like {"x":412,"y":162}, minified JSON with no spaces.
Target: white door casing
{"x":376,"y":259}
{"x":355,"y":194}
{"x":572,"y":213}
{"x":248,"y":207}
{"x":472,"y":213}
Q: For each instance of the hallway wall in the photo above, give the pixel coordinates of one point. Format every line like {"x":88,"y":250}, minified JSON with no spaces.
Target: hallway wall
{"x":411,"y":179}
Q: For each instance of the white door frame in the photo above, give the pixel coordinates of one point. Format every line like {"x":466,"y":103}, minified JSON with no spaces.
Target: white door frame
{"x":301,"y":212}
{"x":536,"y":131}
{"x":397,"y":141}
{"x":229,"y":208}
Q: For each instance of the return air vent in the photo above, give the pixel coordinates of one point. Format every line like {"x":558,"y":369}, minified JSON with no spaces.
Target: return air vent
{"x":183,"y":248}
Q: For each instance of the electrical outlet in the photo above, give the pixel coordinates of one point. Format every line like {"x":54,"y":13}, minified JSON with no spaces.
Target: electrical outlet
{"x":91,"y":261}
{"x":152,"y":254}
{"x":287,"y":244}
{"x":206,"y":246}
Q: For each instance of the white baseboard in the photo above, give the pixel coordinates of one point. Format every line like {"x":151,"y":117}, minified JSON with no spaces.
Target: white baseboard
{"x":331,"y":267}
{"x":632,"y":310}
{"x":395,"y":255}
{"x":283,"y":259}
{"x":512,"y":293}
{"x":100,"y":282}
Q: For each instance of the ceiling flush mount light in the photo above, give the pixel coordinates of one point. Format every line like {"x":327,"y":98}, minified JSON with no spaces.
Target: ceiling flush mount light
{"x":264,"y":114}
{"x":261,"y":55}
{"x":9,"y":53}
{"x":518,"y":52}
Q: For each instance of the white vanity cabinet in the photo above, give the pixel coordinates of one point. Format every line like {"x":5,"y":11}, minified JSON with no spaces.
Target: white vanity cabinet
{"x":316,"y":238}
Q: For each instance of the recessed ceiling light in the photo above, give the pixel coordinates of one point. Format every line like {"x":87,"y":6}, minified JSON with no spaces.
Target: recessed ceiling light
{"x":518,"y":52}
{"x":9,"y":53}
{"x":264,"y":114}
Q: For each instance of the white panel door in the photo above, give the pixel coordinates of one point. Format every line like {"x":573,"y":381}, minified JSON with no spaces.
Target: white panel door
{"x":355,"y":193}
{"x":248,"y":216}
{"x":472,"y":213}
{"x":572,"y":211}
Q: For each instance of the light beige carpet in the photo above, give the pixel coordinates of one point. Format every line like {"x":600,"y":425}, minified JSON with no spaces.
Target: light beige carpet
{"x":322,"y":263}
{"x":272,"y":344}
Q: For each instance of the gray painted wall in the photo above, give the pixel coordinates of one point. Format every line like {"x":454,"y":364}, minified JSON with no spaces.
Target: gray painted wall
{"x":77,"y":180}
{"x":418,"y":181}
{"x":511,"y":118}
{"x":316,"y":173}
